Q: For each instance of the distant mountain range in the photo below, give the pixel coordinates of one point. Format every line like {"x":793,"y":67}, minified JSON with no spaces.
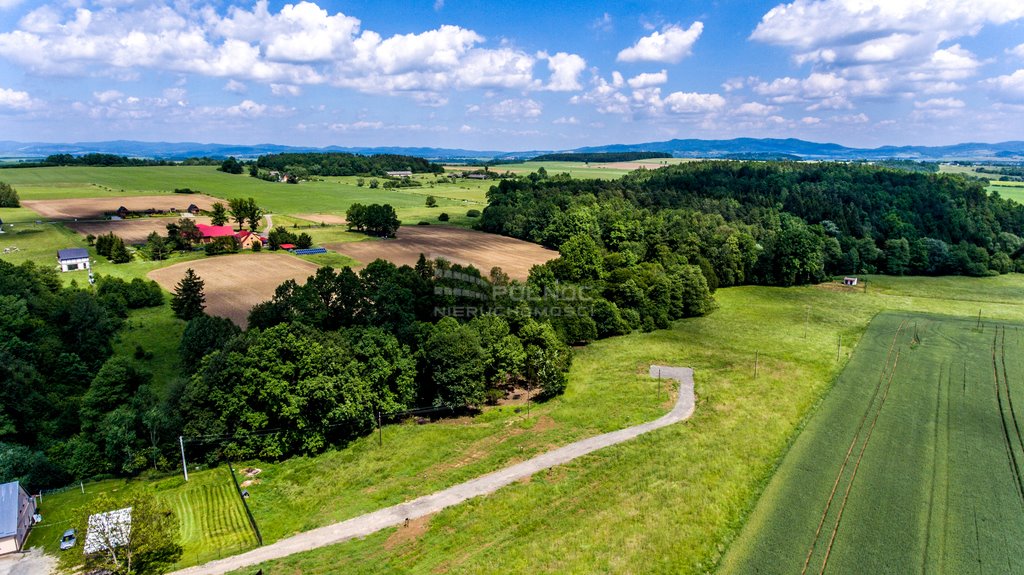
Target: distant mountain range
{"x":734,"y":149}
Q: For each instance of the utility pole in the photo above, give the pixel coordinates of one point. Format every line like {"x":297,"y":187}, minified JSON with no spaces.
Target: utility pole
{"x":184,"y":466}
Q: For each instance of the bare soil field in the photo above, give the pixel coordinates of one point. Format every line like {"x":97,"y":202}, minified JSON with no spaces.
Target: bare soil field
{"x":457,"y":245}
{"x":236,"y":283}
{"x":133,"y":231}
{"x":329,"y":219}
{"x":97,"y":208}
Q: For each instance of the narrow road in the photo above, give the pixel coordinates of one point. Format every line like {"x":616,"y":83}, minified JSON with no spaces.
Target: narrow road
{"x":428,"y":504}
{"x":270,"y":224}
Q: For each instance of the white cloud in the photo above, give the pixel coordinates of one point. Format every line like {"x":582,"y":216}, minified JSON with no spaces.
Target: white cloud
{"x":881,"y":48}
{"x":603,"y":24}
{"x":565,"y":71}
{"x":8,"y":4}
{"x":647,"y":80}
{"x":510,"y":109}
{"x":860,"y":118}
{"x":301,"y":44}
{"x":755,"y":109}
{"x":247,"y":109}
{"x":940,"y":103}
{"x":16,"y":100}
{"x":571,"y":120}
{"x":1009,"y":86}
{"x":810,"y":120}
{"x":692,"y":102}
{"x":1017,"y":51}
{"x":107,"y":96}
{"x":438,"y":5}
{"x":236,"y":87}
{"x":285,"y":90}
{"x":669,"y":46}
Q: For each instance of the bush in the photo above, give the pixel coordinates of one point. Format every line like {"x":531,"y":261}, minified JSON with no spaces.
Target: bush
{"x":257,"y":246}
{"x":473,"y":214}
{"x":423,"y":223}
{"x":8,"y":196}
{"x":304,"y":241}
{"x":431,"y":202}
{"x":443,"y":217}
{"x":223,"y":245}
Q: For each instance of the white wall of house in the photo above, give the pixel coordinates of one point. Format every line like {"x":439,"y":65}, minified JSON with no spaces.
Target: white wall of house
{"x":76,"y":264}
{"x":8,"y":545}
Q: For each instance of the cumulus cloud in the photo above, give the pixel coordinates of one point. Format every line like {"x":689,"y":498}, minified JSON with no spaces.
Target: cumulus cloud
{"x":693,"y":102}
{"x":645,"y":99}
{"x":285,"y":90}
{"x":670,"y":45}
{"x":16,"y":100}
{"x":1009,"y":86}
{"x":647,"y":80}
{"x":236,"y":87}
{"x":301,"y":44}
{"x":7,"y":4}
{"x":510,"y":109}
{"x":565,"y":71}
{"x":1017,"y":51}
{"x":879,"y":47}
{"x":755,"y":109}
{"x":571,"y":120}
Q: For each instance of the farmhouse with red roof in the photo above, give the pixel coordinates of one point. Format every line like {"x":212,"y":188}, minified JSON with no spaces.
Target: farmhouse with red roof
{"x":211,"y":233}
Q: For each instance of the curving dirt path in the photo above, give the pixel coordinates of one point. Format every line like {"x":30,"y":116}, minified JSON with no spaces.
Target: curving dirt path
{"x":364,"y":525}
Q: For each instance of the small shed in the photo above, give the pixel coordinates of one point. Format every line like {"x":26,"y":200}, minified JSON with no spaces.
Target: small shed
{"x":193,"y":209}
{"x":849,"y":281}
{"x":16,"y":510}
{"x":287,"y":246}
{"x":72,"y":259}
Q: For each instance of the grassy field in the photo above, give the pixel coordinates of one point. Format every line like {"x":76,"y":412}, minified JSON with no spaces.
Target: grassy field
{"x":213,"y":522}
{"x":907,"y":459}
{"x":671,"y":501}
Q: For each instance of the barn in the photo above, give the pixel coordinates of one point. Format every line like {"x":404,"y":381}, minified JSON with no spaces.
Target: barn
{"x":16,"y":510}
{"x":72,"y":259}
{"x":211,"y":233}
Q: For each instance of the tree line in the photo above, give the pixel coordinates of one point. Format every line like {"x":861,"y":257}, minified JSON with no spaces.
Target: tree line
{"x":772,"y":223}
{"x":343,"y":164}
{"x":600,"y":157}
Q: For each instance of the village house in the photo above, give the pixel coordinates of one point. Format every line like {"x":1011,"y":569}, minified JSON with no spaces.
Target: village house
{"x":123,"y":212}
{"x":17,"y":509}
{"x":193,"y":209}
{"x":211,"y":233}
{"x":72,"y":259}
{"x":247,"y":239}
{"x":399,"y":174}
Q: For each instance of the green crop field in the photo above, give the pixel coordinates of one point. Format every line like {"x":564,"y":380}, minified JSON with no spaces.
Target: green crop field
{"x":912,"y":464}
{"x":208,"y":509}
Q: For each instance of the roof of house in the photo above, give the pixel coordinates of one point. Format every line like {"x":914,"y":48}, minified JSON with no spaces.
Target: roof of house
{"x":287,"y":246}
{"x":9,"y":503}
{"x":192,"y":207}
{"x":215,"y":231}
{"x":72,"y":254}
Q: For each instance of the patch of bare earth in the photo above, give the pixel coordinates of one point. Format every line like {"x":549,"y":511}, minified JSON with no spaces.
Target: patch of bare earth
{"x":235,"y":283}
{"x":466,"y":247}
{"x":329,"y":219}
{"x":98,"y":208}
{"x":133,"y":231}
{"x":408,"y":532}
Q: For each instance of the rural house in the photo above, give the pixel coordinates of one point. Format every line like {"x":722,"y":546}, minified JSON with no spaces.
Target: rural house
{"x":16,"y":510}
{"x":72,"y":259}
{"x":247,"y":239}
{"x":211,"y":233}
{"x":193,"y":209}
{"x":123,"y":212}
{"x":399,"y":174}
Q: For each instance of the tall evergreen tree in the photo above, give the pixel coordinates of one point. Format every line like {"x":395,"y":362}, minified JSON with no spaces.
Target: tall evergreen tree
{"x":219,"y":214}
{"x":189,"y":301}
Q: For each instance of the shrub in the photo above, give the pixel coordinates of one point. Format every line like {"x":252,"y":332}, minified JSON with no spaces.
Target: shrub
{"x":443,"y":217}
{"x":473,"y":214}
{"x":423,"y":223}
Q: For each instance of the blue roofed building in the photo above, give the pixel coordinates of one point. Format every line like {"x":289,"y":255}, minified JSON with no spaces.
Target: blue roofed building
{"x":72,"y":259}
{"x":16,"y":510}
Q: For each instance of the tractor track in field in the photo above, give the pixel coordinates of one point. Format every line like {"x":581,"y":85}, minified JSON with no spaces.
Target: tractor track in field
{"x":856,"y":468}
{"x":1008,"y":442}
{"x":1006,"y":385}
{"x":849,"y":452}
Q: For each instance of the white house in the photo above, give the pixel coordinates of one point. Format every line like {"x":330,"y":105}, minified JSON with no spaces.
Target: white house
{"x":399,"y":174}
{"x":72,"y":259}
{"x":16,"y":510}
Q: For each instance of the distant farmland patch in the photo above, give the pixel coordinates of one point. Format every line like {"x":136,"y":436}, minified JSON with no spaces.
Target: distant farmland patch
{"x":98,"y":208}
{"x":132,"y":230}
{"x":329,"y":219}
{"x":467,"y":247}
{"x":236,"y":283}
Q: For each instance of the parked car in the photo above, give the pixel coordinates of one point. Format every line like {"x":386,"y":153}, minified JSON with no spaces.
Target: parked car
{"x":68,"y":540}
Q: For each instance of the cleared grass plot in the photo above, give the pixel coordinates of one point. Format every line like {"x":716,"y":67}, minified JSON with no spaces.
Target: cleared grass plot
{"x":912,"y":464}
{"x":212,"y":519}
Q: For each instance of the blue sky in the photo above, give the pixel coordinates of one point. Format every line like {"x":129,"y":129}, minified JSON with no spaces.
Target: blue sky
{"x":511,"y":75}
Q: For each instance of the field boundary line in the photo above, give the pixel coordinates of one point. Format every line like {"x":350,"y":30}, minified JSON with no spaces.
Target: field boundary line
{"x":395,"y":515}
{"x":849,"y":452}
{"x":245,"y":504}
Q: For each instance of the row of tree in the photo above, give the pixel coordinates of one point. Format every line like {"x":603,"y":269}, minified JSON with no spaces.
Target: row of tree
{"x":374,"y":219}
{"x":344,"y":164}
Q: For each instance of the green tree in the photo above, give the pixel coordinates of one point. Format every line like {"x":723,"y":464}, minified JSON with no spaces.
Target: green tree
{"x":304,"y":241}
{"x":443,"y":217}
{"x":157,"y":247}
{"x":204,"y":334}
{"x":219,"y":214}
{"x":231,"y":166}
{"x":897,"y":256}
{"x":189,"y":300}
{"x":431,"y":202}
{"x":239,"y":210}
{"x":149,"y":546}
{"x":8,"y":196}
{"x":547,"y":359}
{"x":456,"y":361}
{"x":119,"y":252}
{"x":581,"y":260}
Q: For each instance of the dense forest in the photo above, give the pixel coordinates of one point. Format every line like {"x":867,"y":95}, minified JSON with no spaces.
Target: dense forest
{"x":344,"y":164}
{"x":600,"y":157}
{"x":773,"y":223}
